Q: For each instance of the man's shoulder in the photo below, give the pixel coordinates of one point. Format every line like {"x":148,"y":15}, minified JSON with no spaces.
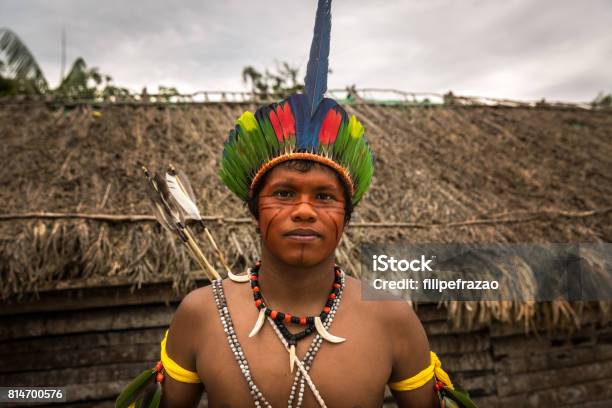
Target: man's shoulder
{"x":399,"y":320}
{"x":195,"y":316}
{"x":201,"y":303}
{"x":193,"y":309}
{"x":391,"y":311}
{"x":197,"y":300}
{"x":197,"y":308}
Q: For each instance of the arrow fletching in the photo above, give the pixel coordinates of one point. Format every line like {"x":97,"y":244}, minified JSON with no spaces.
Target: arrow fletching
{"x":171,"y":215}
{"x":182,"y":193}
{"x":161,"y":208}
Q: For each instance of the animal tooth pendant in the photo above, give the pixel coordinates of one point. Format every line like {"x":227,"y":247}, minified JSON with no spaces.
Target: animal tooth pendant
{"x":259,"y":323}
{"x":324,"y":333}
{"x":292,"y":357}
{"x":239,"y":278}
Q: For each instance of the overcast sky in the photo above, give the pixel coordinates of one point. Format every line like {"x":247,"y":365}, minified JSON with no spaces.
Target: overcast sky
{"x":522,"y":49}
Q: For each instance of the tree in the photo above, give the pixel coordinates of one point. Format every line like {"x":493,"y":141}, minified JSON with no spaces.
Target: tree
{"x":602,"y":101}
{"x":19,"y":71}
{"x":81,"y":82}
{"x":281,"y":83}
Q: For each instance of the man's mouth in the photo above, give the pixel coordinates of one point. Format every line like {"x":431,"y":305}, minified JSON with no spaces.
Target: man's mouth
{"x":303,"y":235}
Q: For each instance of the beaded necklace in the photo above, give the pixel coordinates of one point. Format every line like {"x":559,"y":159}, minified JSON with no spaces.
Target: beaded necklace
{"x":281,"y":318}
{"x":301,"y":375}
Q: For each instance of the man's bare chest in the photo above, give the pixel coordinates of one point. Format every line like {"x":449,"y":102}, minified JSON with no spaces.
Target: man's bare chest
{"x":344,"y":374}
{"x":351,"y":374}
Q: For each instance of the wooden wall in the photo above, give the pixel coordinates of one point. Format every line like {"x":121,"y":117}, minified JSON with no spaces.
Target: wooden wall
{"x":94,"y":340}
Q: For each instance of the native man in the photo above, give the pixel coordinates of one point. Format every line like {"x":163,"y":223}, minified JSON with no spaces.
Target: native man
{"x":294,"y":330}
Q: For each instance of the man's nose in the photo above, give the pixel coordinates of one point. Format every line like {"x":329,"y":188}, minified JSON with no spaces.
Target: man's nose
{"x":303,"y":210}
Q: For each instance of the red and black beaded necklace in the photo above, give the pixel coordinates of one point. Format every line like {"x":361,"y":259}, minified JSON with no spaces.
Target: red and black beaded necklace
{"x":281,"y":318}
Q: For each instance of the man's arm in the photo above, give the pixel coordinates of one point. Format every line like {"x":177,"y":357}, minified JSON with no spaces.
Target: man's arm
{"x":181,"y":347}
{"x":411,"y":355}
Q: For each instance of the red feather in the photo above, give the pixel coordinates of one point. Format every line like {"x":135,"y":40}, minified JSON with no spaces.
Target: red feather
{"x":330,"y":126}
{"x":276,"y":124}
{"x":286,"y":119}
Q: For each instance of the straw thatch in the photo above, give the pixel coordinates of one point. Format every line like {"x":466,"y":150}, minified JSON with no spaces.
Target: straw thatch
{"x":73,"y":198}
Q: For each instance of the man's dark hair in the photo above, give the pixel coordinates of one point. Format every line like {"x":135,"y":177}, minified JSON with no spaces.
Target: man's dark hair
{"x":302,"y":166}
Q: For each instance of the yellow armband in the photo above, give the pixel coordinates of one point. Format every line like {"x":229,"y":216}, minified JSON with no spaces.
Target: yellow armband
{"x":420,"y":379}
{"x":174,"y":370}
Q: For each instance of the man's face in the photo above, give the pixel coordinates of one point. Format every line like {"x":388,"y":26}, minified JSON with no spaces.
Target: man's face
{"x":301,"y":214}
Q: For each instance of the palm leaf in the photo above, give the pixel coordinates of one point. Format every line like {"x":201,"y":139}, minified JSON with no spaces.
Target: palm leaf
{"x":19,"y":62}
{"x":78,"y":82}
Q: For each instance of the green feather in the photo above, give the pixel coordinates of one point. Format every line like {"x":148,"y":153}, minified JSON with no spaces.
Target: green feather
{"x":459,"y":396}
{"x":341,"y":141}
{"x":147,"y":395}
{"x":131,"y":392}
{"x":156,"y":398}
{"x":349,"y":152}
{"x":363,"y":182}
{"x":245,"y":156}
{"x":234,"y":170}
{"x":273,"y":146}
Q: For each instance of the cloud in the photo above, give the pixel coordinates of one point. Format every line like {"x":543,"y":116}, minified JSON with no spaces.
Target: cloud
{"x":518,"y":49}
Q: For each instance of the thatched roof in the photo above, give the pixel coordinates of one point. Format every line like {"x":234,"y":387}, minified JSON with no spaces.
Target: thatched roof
{"x":73,"y":188}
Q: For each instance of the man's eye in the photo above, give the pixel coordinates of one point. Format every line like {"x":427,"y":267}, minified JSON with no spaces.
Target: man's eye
{"x":283,"y":194}
{"x":325,"y":196}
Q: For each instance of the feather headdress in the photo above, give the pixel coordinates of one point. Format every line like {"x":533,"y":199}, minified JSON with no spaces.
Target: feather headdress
{"x":304,"y":126}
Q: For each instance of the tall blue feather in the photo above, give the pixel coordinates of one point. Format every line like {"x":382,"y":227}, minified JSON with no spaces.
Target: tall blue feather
{"x":316,"y":71}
